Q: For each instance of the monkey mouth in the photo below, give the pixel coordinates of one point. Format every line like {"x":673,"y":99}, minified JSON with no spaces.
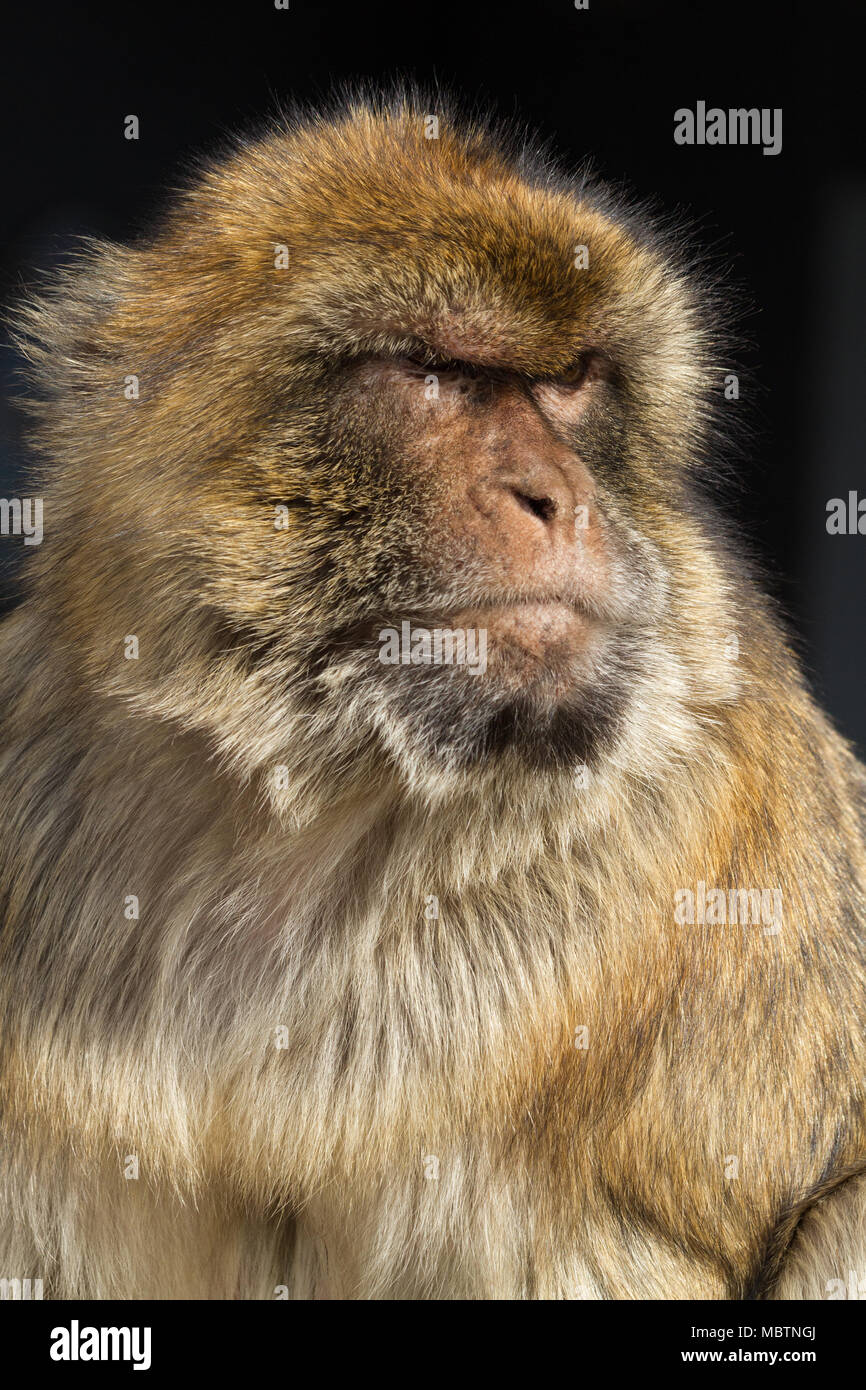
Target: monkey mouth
{"x":544,"y":644}
{"x":535,"y":627}
{"x":525,"y":641}
{"x":537,"y":650}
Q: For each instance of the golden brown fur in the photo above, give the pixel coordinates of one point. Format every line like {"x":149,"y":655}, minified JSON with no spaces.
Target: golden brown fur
{"x":563,"y":1171}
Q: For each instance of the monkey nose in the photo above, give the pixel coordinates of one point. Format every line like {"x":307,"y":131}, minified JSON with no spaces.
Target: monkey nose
{"x":532,"y":532}
{"x":545,"y":508}
{"x":535,"y":526}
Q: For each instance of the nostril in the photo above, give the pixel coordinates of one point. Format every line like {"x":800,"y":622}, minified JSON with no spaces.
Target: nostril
{"x":542,"y":507}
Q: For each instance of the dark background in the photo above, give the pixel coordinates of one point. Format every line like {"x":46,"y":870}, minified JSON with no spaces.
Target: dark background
{"x":604,"y":82}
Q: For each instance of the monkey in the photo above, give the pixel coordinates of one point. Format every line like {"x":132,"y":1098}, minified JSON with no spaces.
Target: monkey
{"x":426,"y":873}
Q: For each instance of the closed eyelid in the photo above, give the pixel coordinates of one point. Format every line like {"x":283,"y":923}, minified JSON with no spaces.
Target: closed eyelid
{"x":442,"y":365}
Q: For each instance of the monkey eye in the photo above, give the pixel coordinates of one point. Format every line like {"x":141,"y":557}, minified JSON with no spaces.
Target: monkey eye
{"x":442,"y":366}
{"x":574,"y":376}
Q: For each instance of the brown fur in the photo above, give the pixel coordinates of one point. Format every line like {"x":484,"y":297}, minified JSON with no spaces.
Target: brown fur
{"x":562,"y":1172}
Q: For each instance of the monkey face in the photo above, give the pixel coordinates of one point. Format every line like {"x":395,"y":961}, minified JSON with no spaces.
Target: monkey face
{"x":481,"y":455}
{"x":510,"y":616}
{"x":422,"y":415}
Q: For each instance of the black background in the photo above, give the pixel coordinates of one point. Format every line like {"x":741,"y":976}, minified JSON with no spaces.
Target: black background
{"x":790,"y":229}
{"x":205,"y":1343}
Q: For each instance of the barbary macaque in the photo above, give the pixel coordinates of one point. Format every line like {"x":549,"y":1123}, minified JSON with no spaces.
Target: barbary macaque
{"x":336,"y":962}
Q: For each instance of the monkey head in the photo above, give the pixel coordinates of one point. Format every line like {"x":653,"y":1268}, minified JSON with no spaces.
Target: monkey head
{"x":406,"y":479}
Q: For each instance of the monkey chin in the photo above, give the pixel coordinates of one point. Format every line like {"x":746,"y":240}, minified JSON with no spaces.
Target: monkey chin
{"x":552,"y":696}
